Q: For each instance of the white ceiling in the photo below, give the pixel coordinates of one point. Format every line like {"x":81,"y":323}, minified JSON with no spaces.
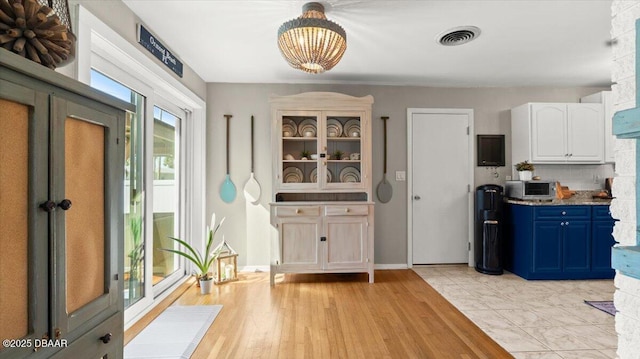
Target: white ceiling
{"x":523,"y":42}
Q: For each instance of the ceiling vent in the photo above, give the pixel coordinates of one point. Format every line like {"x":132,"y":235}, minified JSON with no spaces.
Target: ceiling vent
{"x":458,"y":35}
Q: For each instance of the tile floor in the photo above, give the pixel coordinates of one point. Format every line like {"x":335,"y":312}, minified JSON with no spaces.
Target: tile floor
{"x":531,"y":319}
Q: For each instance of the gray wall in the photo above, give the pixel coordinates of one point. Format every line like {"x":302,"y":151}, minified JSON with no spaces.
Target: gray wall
{"x":121,"y":19}
{"x":247,"y":228}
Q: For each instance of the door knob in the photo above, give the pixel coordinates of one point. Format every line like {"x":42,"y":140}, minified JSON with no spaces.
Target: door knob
{"x":416,"y":197}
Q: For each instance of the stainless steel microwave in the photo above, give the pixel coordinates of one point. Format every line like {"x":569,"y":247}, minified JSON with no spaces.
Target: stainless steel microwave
{"x":538,"y":190}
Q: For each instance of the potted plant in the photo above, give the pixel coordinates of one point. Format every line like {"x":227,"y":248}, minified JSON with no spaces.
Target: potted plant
{"x":338,"y":155}
{"x":201,"y":262}
{"x":304,"y":155}
{"x":525,"y":170}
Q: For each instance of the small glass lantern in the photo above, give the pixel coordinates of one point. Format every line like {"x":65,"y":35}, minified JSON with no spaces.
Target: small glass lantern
{"x":226,"y":265}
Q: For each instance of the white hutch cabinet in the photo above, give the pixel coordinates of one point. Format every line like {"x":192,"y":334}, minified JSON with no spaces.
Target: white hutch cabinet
{"x":322,"y":207}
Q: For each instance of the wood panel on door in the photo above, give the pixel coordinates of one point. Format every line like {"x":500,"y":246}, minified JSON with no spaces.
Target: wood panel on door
{"x":346,"y":239}
{"x":300,"y":243}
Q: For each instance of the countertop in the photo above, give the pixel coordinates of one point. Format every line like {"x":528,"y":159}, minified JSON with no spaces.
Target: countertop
{"x":580,"y":198}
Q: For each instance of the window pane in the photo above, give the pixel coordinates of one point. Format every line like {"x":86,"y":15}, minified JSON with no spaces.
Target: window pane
{"x":165,"y":192}
{"x":134,"y":259}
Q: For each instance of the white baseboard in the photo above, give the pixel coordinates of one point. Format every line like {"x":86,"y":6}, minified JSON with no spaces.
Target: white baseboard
{"x":390,"y":266}
{"x":255,"y":269}
{"x":267,"y":268}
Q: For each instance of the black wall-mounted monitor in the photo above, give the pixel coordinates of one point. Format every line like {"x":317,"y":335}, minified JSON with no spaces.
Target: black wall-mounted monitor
{"x":490,"y":150}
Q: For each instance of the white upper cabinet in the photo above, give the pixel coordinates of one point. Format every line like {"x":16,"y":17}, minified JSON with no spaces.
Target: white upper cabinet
{"x":606,"y":99}
{"x":557,"y":133}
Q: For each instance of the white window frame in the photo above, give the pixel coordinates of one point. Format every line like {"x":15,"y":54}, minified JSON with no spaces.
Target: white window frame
{"x":101,"y":47}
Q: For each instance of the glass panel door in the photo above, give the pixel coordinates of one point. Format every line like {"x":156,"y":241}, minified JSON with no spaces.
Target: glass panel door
{"x":134,"y":275}
{"x":300,"y":135}
{"x":166,"y":192}
{"x":344,"y":148}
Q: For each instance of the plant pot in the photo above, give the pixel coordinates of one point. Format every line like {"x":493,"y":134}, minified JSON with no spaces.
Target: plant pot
{"x":205,"y":286}
{"x":525,"y":175}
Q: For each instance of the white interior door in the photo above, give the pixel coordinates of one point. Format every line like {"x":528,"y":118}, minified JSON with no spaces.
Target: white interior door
{"x":439,"y":185}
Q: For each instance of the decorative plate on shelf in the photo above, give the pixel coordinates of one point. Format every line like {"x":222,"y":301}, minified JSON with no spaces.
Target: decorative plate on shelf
{"x":350,"y":174}
{"x":313,"y":176}
{"x":334,"y":128}
{"x":292,"y":175}
{"x":307,"y":128}
{"x":289,"y":128}
{"x":352,"y":128}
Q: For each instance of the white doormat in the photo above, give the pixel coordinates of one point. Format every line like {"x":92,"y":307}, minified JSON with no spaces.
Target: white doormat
{"x":173,"y":334}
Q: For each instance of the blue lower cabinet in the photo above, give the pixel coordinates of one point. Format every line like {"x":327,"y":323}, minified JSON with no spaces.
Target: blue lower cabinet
{"x":601,"y":242}
{"x":547,"y":247}
{"x":576,"y":249}
{"x":558,"y":242}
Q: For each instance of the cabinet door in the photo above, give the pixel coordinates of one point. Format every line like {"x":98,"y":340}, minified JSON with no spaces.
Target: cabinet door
{"x":345,"y":144}
{"x":576,"y":246}
{"x":346,"y":246}
{"x":296,"y":136}
{"x":299,"y":243}
{"x":24,"y":232}
{"x":585,"y":133}
{"x":547,"y":247}
{"x":548,"y":132}
{"x":601,"y":243}
{"x":86,"y":183}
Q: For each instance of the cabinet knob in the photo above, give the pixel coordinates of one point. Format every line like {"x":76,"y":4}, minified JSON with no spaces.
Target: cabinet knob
{"x":416,"y":197}
{"x":298,"y":210}
{"x":106,"y":338}
{"x":48,"y":206}
{"x":566,"y":223}
{"x":65,"y":204}
{"x":563,"y":213}
{"x":562,"y":223}
{"x":346,"y":210}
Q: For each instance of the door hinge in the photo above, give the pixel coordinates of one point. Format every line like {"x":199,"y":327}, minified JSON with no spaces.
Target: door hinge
{"x":468,"y":188}
{"x":117,"y":140}
{"x":469,"y":246}
{"x":116,"y":276}
{"x":467,"y":130}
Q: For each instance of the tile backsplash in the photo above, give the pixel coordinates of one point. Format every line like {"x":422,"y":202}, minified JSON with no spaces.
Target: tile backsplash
{"x":576,"y":177}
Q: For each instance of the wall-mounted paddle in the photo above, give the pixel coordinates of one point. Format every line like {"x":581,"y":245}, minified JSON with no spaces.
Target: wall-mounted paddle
{"x":384,"y":190}
{"x":252,"y":187}
{"x":227,"y":189}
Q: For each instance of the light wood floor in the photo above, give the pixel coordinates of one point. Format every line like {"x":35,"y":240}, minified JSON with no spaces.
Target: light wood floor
{"x":335,"y":316}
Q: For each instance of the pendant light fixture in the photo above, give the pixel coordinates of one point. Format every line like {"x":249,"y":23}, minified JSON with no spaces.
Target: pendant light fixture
{"x":310,"y":42}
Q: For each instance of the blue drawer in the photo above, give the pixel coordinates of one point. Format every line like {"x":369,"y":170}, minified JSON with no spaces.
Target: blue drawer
{"x":601,"y":213}
{"x":562,"y":212}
